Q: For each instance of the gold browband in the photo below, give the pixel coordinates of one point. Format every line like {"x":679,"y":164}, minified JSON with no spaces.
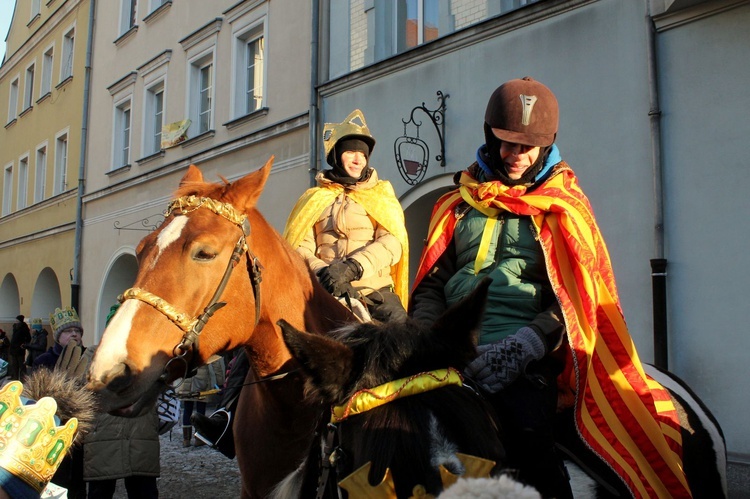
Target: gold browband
{"x":369,"y":398}
{"x":181,"y":319}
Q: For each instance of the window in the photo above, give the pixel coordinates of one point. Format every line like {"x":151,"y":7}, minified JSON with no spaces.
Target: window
{"x":28,"y":92}
{"x":23,"y":182}
{"x":47,"y":60}
{"x":128,"y":15}
{"x":61,"y":164}
{"x":155,"y":4}
{"x":7,"y":188}
{"x":121,"y":155}
{"x":36,"y":6}
{"x":154,"y":116}
{"x":250,"y":70}
{"x":201,"y":94}
{"x":363,"y":32}
{"x":40,"y":176}
{"x":66,"y":65}
{"x":13,"y":101}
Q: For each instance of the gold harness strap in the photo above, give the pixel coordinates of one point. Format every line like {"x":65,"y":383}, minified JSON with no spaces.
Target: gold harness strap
{"x":192,"y":326}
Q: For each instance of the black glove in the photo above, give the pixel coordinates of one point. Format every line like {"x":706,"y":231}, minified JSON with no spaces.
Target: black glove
{"x":337,"y":276}
{"x":500,"y":363}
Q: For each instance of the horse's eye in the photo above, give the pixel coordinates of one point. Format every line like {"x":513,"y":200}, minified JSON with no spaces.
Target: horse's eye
{"x":204,"y":254}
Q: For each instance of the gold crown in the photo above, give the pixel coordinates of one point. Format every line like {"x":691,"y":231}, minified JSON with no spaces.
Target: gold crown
{"x":38,"y":320}
{"x":63,"y":317}
{"x":333,"y":132}
{"x":31,"y":446}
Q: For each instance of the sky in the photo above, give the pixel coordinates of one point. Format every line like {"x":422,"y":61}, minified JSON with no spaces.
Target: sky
{"x":6,"y":12}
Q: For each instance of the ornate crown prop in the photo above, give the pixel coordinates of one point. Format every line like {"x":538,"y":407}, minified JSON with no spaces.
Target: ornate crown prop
{"x":31,"y":445}
{"x":63,"y":318}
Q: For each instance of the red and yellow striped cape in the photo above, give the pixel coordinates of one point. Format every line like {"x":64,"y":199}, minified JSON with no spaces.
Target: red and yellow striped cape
{"x":626,"y":417}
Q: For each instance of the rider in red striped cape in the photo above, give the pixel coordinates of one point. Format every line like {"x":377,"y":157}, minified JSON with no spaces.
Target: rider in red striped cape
{"x":520,"y":217}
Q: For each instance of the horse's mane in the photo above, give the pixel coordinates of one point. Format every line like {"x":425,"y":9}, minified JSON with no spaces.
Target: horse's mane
{"x":213,"y":190}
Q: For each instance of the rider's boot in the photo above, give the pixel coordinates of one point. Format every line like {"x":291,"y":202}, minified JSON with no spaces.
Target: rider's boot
{"x":215,"y":430}
{"x":187,"y":434}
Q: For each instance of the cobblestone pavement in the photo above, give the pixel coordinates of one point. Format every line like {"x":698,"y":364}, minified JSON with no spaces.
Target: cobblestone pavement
{"x":202,"y":472}
{"x":192,"y":472}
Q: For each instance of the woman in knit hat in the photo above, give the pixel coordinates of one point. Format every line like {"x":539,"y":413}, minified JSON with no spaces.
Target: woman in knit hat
{"x":66,"y":328}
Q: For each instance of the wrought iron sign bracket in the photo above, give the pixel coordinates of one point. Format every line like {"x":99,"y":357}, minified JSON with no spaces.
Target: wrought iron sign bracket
{"x":145,"y":224}
{"x":412,"y":153}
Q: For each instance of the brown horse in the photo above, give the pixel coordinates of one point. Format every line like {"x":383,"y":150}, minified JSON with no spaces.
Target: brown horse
{"x":187,"y":304}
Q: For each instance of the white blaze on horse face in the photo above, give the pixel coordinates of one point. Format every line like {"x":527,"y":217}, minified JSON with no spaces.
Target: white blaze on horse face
{"x":112,"y":348}
{"x":168,"y":235}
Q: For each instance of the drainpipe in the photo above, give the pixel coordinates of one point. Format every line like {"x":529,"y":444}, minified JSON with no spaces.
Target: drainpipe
{"x":659,"y":263}
{"x":75,"y":285}
{"x":313,"y":120}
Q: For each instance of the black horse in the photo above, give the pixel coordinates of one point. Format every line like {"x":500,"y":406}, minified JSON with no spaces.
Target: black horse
{"x":404,"y":443}
{"x":421,"y":432}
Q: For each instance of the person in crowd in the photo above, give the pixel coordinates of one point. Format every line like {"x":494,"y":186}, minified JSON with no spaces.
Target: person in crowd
{"x":21,"y":336}
{"x":38,"y":343}
{"x":66,"y":329}
{"x":4,"y":344}
{"x":553,"y":335}
{"x":125,"y":449}
{"x":195,"y":392}
{"x":350,"y":227}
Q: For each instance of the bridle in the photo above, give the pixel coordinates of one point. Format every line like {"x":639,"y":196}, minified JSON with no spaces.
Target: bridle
{"x":193,"y":326}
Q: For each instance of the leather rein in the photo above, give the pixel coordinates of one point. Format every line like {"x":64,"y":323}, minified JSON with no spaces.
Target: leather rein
{"x":193,"y":326}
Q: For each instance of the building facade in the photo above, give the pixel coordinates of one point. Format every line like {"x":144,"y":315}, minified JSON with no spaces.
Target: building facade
{"x":223,"y":85}
{"x":42,"y":85}
{"x":652,"y":114}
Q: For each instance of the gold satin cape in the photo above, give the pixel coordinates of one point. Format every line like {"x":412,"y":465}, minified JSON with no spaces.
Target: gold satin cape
{"x":380,"y":202}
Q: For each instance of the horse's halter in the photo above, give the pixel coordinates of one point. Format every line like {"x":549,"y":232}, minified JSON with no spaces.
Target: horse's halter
{"x":192,"y":326}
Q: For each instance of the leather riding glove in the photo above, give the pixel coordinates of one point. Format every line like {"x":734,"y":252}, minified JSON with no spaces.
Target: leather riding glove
{"x":500,"y":363}
{"x":337,"y":276}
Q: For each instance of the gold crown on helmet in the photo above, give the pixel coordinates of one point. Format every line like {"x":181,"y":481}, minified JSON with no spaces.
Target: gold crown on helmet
{"x":62,"y":318}
{"x":353,"y":125}
{"x":31,"y":446}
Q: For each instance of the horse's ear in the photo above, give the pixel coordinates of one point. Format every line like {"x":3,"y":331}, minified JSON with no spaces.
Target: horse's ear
{"x":193,"y":174}
{"x":326,"y":362}
{"x":459,"y":325}
{"x":252,"y":184}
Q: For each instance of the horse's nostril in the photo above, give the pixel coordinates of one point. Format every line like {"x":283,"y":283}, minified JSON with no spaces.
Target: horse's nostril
{"x":119,"y":377}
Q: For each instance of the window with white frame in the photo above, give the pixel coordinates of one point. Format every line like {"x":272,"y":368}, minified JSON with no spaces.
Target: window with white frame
{"x":7,"y":188}
{"x":40,"y":173}
{"x":128,"y":15}
{"x":61,"y":163}
{"x":23,"y":182}
{"x":154,"y":117}
{"x":47,"y":60}
{"x":68,"y":46}
{"x":28,"y":92}
{"x":363,"y":32}
{"x":121,"y":153}
{"x":201,"y":93}
{"x":13,"y":100}
{"x":250,"y":70}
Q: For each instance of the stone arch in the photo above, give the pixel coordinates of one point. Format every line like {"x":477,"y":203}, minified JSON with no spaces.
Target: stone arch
{"x":120,"y":275}
{"x":10,"y":300}
{"x":46,"y":296}
{"x":417,"y":204}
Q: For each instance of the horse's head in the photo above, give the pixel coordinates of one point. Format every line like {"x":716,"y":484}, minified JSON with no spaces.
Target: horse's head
{"x":184,"y":277}
{"x":397,"y":399}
